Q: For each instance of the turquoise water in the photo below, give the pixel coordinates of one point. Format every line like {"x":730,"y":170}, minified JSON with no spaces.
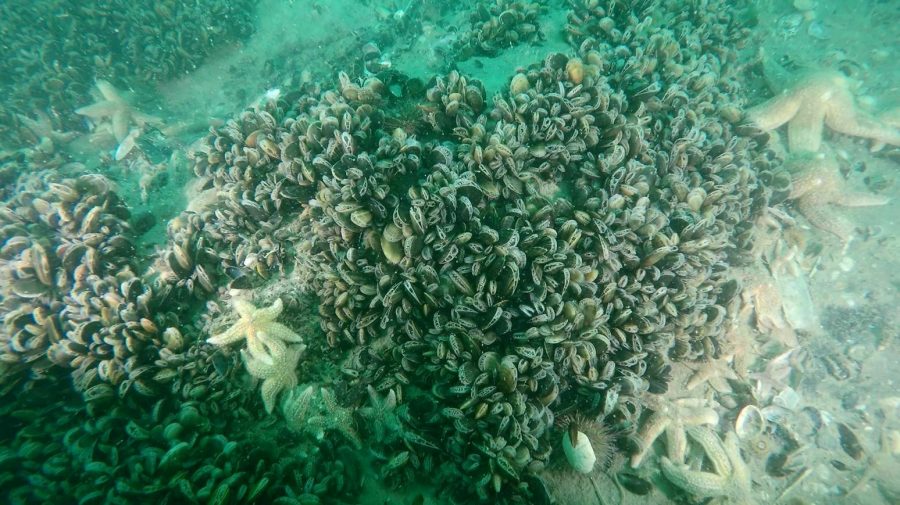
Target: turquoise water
{"x":368,"y":252}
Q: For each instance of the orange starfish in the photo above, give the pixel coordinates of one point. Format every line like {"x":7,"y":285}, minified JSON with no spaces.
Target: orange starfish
{"x":818,"y":187}
{"x":818,"y":100}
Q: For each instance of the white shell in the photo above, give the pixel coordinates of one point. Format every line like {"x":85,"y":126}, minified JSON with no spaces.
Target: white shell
{"x":581,"y":456}
{"x":750,"y":423}
{"x":788,"y":399}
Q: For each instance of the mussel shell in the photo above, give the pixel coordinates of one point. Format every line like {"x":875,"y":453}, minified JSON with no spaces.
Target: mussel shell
{"x":849,"y":442}
{"x":635,"y":484}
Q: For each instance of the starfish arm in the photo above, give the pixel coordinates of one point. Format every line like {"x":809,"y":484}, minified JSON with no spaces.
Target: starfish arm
{"x":696,"y":416}
{"x":271,"y":312}
{"x":41,"y":127}
{"x":233,"y":334}
{"x":650,"y":431}
{"x":99,"y":110}
{"x":713,"y":448}
{"x":244,"y":309}
{"x":291,"y":358}
{"x":859,"y":199}
{"x":698,"y":377}
{"x":822,"y":216}
{"x":289,"y":379}
{"x":120,"y":124}
{"x":263,"y":350}
{"x":282,"y":332}
{"x":269,"y":390}
{"x":699,"y":484}
{"x":339,"y":418}
{"x":274,"y":347}
{"x":676,"y":441}
{"x":775,"y":112}
{"x":257,"y":368}
{"x":850,"y":122}
{"x":296,"y":407}
{"x":127,"y":144}
{"x":805,"y":129}
{"x":108,"y":91}
{"x":812,"y":172}
{"x":142,"y":119}
{"x":740,"y":473}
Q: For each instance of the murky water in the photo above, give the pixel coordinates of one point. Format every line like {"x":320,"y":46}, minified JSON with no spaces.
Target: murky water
{"x":421,"y":252}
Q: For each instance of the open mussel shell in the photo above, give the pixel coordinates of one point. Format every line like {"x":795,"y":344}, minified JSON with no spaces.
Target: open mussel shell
{"x":29,"y":287}
{"x":750,"y":423}
{"x":241,"y":278}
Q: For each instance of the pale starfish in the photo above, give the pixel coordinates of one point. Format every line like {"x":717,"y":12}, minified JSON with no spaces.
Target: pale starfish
{"x":817,"y":100}
{"x":114,"y":116}
{"x":277,"y":376}
{"x":763,"y":301}
{"x":818,"y":187}
{"x":265,"y":337}
{"x":715,"y":372}
{"x":890,"y":117}
{"x":671,"y":417}
{"x":730,"y":480}
{"x":42,"y":128}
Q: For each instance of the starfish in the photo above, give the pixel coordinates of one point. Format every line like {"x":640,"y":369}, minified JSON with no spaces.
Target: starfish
{"x":382,"y":414}
{"x":277,"y":376}
{"x":297,"y":407}
{"x":671,"y":417}
{"x":114,"y":115}
{"x":818,"y":187}
{"x":336,"y":418}
{"x":716,"y":372}
{"x":817,"y":100}
{"x":42,"y":128}
{"x":763,"y":300}
{"x":730,"y":480}
{"x":265,"y":338}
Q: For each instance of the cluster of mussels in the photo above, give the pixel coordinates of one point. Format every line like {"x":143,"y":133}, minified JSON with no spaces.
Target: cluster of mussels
{"x":69,"y":294}
{"x":154,"y":413}
{"x":51,"y":66}
{"x":175,"y":449}
{"x":495,"y":27}
{"x":485,"y":271}
{"x":242,"y":228}
{"x":547,"y":254}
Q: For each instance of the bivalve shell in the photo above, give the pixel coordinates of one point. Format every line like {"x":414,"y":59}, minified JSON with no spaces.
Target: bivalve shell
{"x":580,"y":454}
